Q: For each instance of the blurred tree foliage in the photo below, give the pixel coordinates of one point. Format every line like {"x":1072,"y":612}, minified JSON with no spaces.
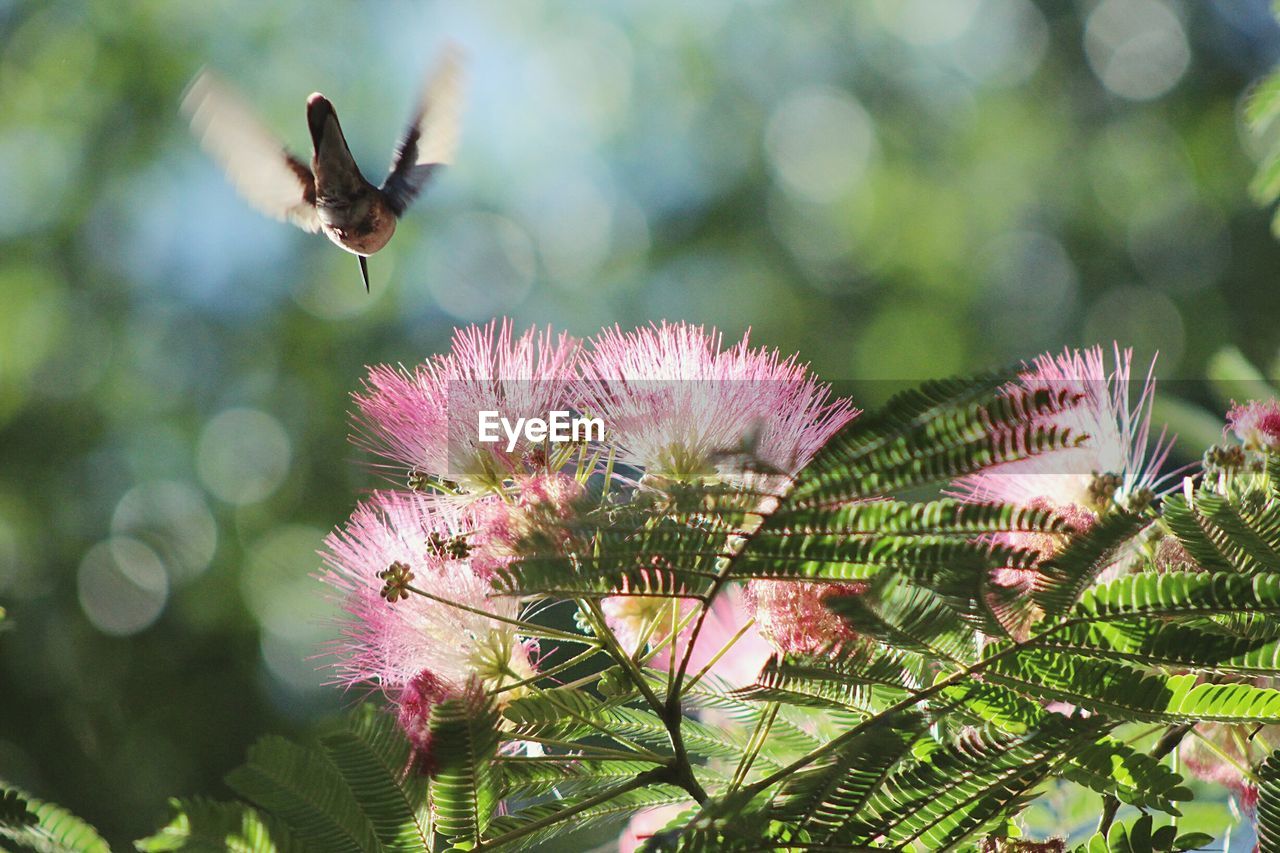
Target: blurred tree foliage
{"x":893,"y":189}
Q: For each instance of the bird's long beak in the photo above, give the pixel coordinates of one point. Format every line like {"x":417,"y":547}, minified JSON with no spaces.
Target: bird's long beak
{"x":364,"y":271}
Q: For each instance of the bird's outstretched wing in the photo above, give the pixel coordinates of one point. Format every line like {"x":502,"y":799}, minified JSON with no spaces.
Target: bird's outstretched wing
{"x":257,"y":163}
{"x":432,"y":136}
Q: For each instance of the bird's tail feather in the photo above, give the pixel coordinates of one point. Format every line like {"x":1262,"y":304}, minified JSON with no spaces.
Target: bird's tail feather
{"x":334,"y":166}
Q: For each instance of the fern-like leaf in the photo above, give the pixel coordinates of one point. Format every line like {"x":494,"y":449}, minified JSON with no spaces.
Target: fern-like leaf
{"x":464,"y":787}
{"x":373,"y":757}
{"x":1064,"y":576}
{"x":1268,"y":808}
{"x":204,"y":826}
{"x":306,"y":792}
{"x":1108,"y":687}
{"x":43,"y":826}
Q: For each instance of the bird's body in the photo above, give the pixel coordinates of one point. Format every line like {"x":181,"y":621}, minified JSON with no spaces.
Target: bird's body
{"x":353,"y":212}
{"x":332,"y":195}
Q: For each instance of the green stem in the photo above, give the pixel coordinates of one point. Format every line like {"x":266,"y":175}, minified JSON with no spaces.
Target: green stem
{"x":716,"y":657}
{"x":640,"y":781}
{"x":548,"y":673}
{"x":588,"y":752}
{"x":763,"y":726}
{"x":527,"y":628}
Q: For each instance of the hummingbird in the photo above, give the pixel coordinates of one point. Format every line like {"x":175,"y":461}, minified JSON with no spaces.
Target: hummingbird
{"x":330,"y":195}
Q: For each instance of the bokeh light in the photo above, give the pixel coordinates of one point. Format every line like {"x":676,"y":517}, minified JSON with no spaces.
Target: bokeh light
{"x":243,"y":455}
{"x":123,"y":586}
{"x":1137,"y":48}
{"x":174,"y":519}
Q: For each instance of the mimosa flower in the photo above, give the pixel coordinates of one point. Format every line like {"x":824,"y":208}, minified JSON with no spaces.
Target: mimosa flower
{"x":1115,"y":462}
{"x":1256,"y":423}
{"x":679,"y":405}
{"x":426,"y":419}
{"x":420,"y":650}
{"x":794,"y":618}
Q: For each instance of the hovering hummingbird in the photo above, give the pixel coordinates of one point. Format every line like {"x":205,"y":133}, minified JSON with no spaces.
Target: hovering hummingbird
{"x":331,"y":195}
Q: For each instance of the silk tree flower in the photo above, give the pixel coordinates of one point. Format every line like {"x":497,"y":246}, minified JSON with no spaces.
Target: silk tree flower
{"x":541,"y":503}
{"x":1256,"y":423}
{"x":1221,"y":754}
{"x":426,"y":419}
{"x":680,"y":406}
{"x":794,"y":618}
{"x":420,"y":651}
{"x":1115,"y":464}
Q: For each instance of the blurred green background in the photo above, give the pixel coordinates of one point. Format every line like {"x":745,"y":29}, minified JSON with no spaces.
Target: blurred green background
{"x":895,"y":189}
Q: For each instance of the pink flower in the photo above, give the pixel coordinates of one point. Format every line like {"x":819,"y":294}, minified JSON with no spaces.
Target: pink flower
{"x":1115,"y":462}
{"x":419,"y":651}
{"x":427,"y":419}
{"x":1112,"y":464}
{"x":740,"y":665}
{"x":1256,"y":423}
{"x":541,"y":501}
{"x":1218,"y":753}
{"x":794,"y":618}
{"x":680,"y":406}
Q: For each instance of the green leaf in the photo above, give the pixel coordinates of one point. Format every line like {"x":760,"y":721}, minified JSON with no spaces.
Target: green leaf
{"x":1064,"y":576}
{"x":464,"y":788}
{"x":614,"y":811}
{"x":726,"y":825}
{"x":14,"y":812}
{"x":43,"y":826}
{"x":305,"y":791}
{"x":527,"y":777}
{"x":962,"y":788}
{"x":1262,"y":103}
{"x":1180,"y":594}
{"x":1240,"y":533}
{"x":1147,"y":642}
{"x":905,"y":616}
{"x":373,"y":757}
{"x":545,"y":716}
{"x":1109,"y":766}
{"x":1268,"y":808}
{"x":204,"y":826}
{"x":825,"y":798}
{"x":947,"y":517}
{"x":936,"y":432}
{"x":841,"y":677}
{"x":1108,"y":687}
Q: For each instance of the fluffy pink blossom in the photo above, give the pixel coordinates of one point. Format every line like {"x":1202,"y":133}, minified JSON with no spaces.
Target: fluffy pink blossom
{"x":419,"y":651}
{"x":679,"y":405}
{"x":1218,"y":752}
{"x":794,"y":618}
{"x":1115,"y":461}
{"x":1256,"y":423}
{"x":427,"y":418}
{"x":546,"y":496}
